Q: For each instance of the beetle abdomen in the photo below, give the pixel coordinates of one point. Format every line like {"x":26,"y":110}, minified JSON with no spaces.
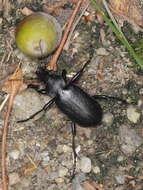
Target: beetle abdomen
{"x":79,"y":106}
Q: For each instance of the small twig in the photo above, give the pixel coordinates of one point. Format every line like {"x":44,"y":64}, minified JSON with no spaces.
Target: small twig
{"x":13,"y":88}
{"x":3,"y":58}
{"x":66,"y":46}
{"x":112,"y":17}
{"x":53,"y":62}
{"x":4,"y":147}
{"x":32,"y":161}
{"x":4,"y":102}
{"x":8,"y":57}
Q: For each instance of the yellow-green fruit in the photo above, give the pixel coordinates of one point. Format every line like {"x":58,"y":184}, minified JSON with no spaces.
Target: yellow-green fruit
{"x":38,"y":34}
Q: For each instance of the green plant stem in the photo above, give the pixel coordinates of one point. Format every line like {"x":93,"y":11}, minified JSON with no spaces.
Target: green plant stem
{"x":118,"y":33}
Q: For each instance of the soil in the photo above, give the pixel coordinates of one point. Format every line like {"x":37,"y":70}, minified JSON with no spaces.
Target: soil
{"x":40,"y":155}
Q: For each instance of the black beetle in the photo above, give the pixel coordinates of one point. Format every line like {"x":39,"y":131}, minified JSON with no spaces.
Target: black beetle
{"x":79,"y":106}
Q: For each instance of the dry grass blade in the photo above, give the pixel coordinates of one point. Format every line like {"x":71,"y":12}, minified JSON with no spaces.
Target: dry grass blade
{"x":4,"y":102}
{"x":6,"y":7}
{"x":66,"y":46}
{"x":53,"y":63}
{"x":12,"y":86}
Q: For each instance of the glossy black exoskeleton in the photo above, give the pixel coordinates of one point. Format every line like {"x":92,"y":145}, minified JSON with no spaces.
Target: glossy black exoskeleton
{"x":79,"y":106}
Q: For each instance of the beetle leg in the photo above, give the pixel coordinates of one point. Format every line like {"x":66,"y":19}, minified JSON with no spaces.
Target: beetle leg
{"x":78,"y":74}
{"x":110,"y":98}
{"x":35,"y":87}
{"x":64,"y":72}
{"x":73,"y":127}
{"x":45,"y":107}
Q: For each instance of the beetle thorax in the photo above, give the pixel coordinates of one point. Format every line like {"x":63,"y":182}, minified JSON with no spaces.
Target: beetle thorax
{"x":54,"y":85}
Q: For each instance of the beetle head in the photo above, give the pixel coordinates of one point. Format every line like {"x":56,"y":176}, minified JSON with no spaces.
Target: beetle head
{"x":53,"y":82}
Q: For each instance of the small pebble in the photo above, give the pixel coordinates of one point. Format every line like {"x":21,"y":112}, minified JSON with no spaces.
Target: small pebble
{"x":1,"y":21}
{"x":77,"y":181}
{"x":78,"y":149}
{"x":140,"y":102}
{"x":120,"y":179}
{"x":125,"y":91}
{"x":67,"y":149}
{"x":120,"y":158}
{"x":63,"y":172}
{"x":44,"y":154}
{"x":14,"y":178}
{"x":26,"y":104}
{"x":132,"y":114}
{"x":129,"y":140}
{"x":102,"y":51}
{"x":90,"y":142}
{"x":85,"y":164}
{"x":14,"y":154}
{"x":96,"y":170}
{"x":45,"y":158}
{"x":108,"y":118}
{"x":59,"y":180}
{"x":59,"y":148}
{"x":67,"y":163}
{"x":141,"y":91}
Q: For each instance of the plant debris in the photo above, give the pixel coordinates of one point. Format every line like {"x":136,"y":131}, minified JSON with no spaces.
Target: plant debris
{"x":38,"y":154}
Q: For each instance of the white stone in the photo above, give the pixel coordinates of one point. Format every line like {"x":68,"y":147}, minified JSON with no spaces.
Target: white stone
{"x":85,"y":164}
{"x":132,"y":114}
{"x":96,"y":170}
{"x":45,"y":158}
{"x":102,"y":51}
{"x":63,"y":172}
{"x":108,"y":118}
{"x":14,"y":154}
{"x":67,"y":149}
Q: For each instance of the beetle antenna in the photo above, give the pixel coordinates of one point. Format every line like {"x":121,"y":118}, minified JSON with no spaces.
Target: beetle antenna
{"x":45,"y":107}
{"x":73,"y":127}
{"x":79,"y":73}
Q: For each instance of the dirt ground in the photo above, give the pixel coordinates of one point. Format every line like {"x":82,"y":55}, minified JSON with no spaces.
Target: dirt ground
{"x":39,"y":153}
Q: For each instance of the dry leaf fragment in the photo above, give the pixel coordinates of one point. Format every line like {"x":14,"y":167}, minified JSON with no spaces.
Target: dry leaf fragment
{"x":100,"y":18}
{"x":25,"y":11}
{"x":88,"y":18}
{"x":14,"y":84}
{"x":100,"y":76}
{"x":29,"y":170}
{"x":128,"y":10}
{"x":120,"y":6}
